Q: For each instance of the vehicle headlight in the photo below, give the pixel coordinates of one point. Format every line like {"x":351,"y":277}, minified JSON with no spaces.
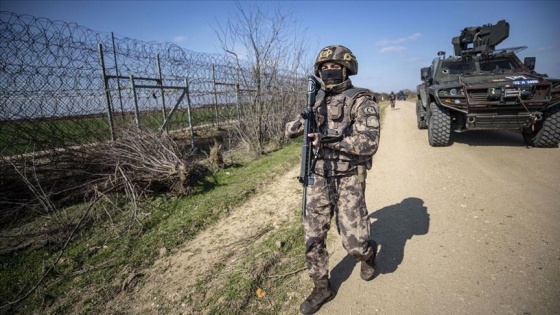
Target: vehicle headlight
{"x":453,"y":92}
{"x":453,"y":96}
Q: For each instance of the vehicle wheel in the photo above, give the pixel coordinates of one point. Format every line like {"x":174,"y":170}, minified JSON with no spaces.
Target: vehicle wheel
{"x":439,"y":126}
{"x":546,"y":132}
{"x":421,"y":115}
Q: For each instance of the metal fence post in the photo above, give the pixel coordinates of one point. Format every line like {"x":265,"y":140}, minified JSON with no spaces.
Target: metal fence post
{"x":215,"y":95}
{"x":163,"y":110}
{"x":107,"y":93}
{"x":189,"y":112}
{"x":136,"y":110}
{"x":117,"y":74}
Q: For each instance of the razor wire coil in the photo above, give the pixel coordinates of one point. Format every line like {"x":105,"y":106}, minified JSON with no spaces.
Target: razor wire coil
{"x":50,"y":70}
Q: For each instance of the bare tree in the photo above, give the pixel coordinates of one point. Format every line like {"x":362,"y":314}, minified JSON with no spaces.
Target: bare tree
{"x":275,"y":49}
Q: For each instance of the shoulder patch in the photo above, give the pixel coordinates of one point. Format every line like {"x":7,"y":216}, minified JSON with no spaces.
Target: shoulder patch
{"x":372,"y":121}
{"x":369,"y":110}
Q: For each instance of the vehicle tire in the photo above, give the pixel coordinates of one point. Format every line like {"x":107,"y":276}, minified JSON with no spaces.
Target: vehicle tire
{"x":421,"y":115}
{"x":439,"y":126}
{"x":546,"y":132}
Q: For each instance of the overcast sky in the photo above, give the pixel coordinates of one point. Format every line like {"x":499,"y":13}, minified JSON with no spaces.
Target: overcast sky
{"x":391,"y":39}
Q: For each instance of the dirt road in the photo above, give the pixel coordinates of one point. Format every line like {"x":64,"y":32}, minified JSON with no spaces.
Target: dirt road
{"x":473,"y":228}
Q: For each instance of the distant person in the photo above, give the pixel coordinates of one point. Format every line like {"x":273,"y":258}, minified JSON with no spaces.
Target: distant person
{"x":392,"y":99}
{"x":340,"y":170}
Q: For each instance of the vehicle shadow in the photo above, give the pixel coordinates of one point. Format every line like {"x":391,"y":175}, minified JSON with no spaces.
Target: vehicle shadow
{"x":507,"y":138}
{"x":394,"y":225}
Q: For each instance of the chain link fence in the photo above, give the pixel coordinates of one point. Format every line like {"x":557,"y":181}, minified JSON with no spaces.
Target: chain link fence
{"x":63,"y":85}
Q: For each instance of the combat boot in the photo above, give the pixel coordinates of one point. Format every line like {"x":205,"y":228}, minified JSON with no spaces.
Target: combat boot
{"x":367,"y":269}
{"x":321,"y":294}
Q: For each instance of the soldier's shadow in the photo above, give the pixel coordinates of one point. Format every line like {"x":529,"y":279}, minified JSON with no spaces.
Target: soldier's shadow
{"x":393,"y":226}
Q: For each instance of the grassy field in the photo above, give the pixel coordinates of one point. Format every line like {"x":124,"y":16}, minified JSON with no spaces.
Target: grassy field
{"x":24,"y":136}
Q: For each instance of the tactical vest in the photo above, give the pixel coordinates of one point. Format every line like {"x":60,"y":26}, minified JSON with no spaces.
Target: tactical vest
{"x":340,"y":111}
{"x":335,"y":117}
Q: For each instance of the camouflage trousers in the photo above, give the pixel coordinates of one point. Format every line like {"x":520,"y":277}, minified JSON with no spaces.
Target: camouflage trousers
{"x":343,"y":198}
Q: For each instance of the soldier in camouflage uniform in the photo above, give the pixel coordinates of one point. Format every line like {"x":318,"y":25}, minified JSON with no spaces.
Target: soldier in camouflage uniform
{"x":392,"y":99}
{"x":347,"y":138}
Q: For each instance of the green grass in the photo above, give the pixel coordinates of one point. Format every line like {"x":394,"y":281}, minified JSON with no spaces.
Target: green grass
{"x":19,"y":137}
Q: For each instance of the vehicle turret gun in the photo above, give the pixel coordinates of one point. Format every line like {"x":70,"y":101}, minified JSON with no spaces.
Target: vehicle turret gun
{"x":480,"y":39}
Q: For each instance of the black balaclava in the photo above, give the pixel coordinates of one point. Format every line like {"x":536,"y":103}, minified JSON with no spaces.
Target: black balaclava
{"x":332,"y":77}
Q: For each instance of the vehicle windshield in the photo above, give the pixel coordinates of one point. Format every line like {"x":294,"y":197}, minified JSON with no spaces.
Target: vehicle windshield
{"x":458,"y":67}
{"x":451,"y":69}
{"x":498,"y":65}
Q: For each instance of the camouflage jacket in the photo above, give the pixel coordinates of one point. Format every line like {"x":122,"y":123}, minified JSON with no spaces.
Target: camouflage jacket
{"x":352,"y":113}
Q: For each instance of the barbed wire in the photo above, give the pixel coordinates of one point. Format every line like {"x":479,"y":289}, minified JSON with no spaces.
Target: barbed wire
{"x":53,"y":69}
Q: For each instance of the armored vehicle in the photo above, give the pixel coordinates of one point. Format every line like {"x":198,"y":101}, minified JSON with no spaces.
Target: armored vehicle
{"x":482,"y":87}
{"x":401,"y":96}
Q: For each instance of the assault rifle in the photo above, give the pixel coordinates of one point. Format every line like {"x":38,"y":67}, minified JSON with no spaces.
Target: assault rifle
{"x":306,"y":176}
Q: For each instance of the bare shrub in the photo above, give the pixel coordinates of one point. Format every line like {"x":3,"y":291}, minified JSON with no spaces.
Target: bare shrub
{"x":138,"y":164}
{"x":152,"y":162}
